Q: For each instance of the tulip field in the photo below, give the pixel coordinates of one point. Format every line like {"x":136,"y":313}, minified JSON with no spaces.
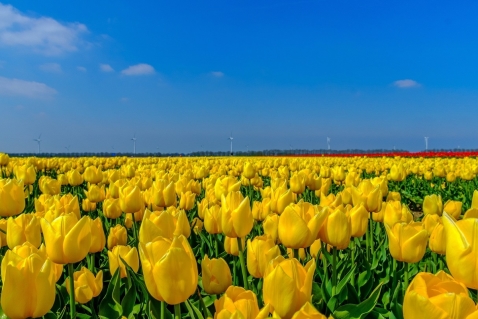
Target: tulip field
{"x":239,"y":237}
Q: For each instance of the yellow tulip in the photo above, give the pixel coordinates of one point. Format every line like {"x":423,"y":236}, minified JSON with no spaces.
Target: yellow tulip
{"x":236,"y":303}
{"x":260,"y":251}
{"x":395,"y":212}
{"x":112,"y":208}
{"x":3,"y":236}
{"x":231,"y":247}
{"x":49,"y":185}
{"x":437,"y":296}
{"x":271,"y":227}
{"x":26,"y":173}
{"x":67,"y":239}
{"x":169,"y":268}
{"x":336,"y":229}
{"x":406,"y":243}
{"x":394,"y":196}
{"x":216,"y":275}
{"x":461,"y":249}
{"x":11,"y":197}
{"x":432,"y":204}
{"x":237,"y":218}
{"x":95,"y":193}
{"x":88,"y":206}
{"x":131,"y":200}
{"x":117,"y":236}
{"x":128,"y":254}
{"x":287,"y":285}
{"x":398,"y":173}
{"x":87,"y":286}
{"x":258,"y":211}
{"x":249,"y":170}
{"x":308,"y":312}
{"x":358,"y":220}
{"x":367,"y":194}
{"x":430,"y":222}
{"x":212,"y":219}
{"x":299,"y":225}
{"x":301,"y":251}
{"x":98,"y":238}
{"x":74,"y":178}
{"x":453,"y":208}
{"x":28,"y":285}
{"x":187,"y":200}
{"x":297,"y":184}
{"x":93,"y":175}
{"x":4,"y":159}
{"x":315,"y":248}
{"x":24,"y":228}
{"x":437,"y":241}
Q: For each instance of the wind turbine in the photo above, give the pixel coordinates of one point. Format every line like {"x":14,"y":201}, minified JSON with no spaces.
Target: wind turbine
{"x":426,"y":143}
{"x":134,"y":143}
{"x":231,"y":138}
{"x":328,"y":143}
{"x":38,"y":140}
{"x":68,"y":148}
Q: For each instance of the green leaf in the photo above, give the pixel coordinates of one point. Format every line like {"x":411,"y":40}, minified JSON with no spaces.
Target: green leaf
{"x":359,"y":311}
{"x":110,"y":306}
{"x":193,"y":311}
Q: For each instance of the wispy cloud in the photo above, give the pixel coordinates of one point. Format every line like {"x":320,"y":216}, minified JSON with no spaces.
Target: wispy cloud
{"x":29,"y":89}
{"x":217,"y":74}
{"x":51,"y":67}
{"x":106,"y":68}
{"x":81,"y":68}
{"x":44,"y":35}
{"x":407,"y":83}
{"x":138,"y":69}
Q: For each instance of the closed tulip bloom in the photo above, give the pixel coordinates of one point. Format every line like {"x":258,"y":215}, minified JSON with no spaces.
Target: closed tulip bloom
{"x":450,"y":177}
{"x":26,"y":173}
{"x":216,"y":275}
{"x":249,"y":170}
{"x":11,"y":197}
{"x":131,"y":199}
{"x":406,"y":243}
{"x":87,"y":286}
{"x":437,"y":296}
{"x":98,"y":238}
{"x":202,"y":205}
{"x":314,"y":182}
{"x":24,"y":228}
{"x":308,"y":312}
{"x":297,"y":184}
{"x":461,"y":249}
{"x":88,"y":206}
{"x":95,"y":193}
{"x":28,"y":285}
{"x":187,"y":200}
{"x":367,"y":194}
{"x":3,"y":236}
{"x":4,"y":159}
{"x":260,"y":251}
{"x":225,"y":185}
{"x":380,"y":215}
{"x":287,"y":285}
{"x":336,"y":229}
{"x":63,"y":179}
{"x":394,"y":196}
{"x":49,"y":185}
{"x":302,"y":255}
{"x":93,"y":175}
{"x":237,"y":218}
{"x":437,"y":241}
{"x":112,"y":208}
{"x":398,"y":173}
{"x":432,"y":204}
{"x":117,"y":236}
{"x":453,"y":208}
{"x":69,"y":204}
{"x":315,"y":248}
{"x":395,"y":212}
{"x":231,"y":247}
{"x":271,"y":227}
{"x":74,"y":178}
{"x":258,"y":212}
{"x":281,"y":198}
{"x":212,"y":219}
{"x":299,"y":225}
{"x":236,"y":303}
{"x":128,"y":254}
{"x":359,"y":220}
{"x":67,"y":239}
{"x":197,"y":225}
{"x":169,"y":268}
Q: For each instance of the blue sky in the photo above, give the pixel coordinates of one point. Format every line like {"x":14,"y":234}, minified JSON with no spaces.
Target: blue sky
{"x":182,"y":75}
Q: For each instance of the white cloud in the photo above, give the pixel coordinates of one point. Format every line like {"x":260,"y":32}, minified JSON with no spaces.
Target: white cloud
{"x":51,"y":67}
{"x":44,"y":35}
{"x":407,"y":83}
{"x":124,"y":99}
{"x":81,"y":68}
{"x":106,"y":68}
{"x":217,"y":74}
{"x":138,"y":69}
{"x":25,"y":88}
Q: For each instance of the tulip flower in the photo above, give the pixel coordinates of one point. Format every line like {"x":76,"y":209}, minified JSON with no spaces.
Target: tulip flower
{"x":87,"y":286}
{"x":437,"y":241}
{"x":11,"y":197}
{"x":308,"y":312}
{"x":461,"y":249}
{"x":117,"y":236}
{"x":237,"y":302}
{"x":336,"y":229}
{"x":95,"y":193}
{"x":314,"y":182}
{"x":432,"y":204}
{"x":299,"y":225}
{"x":26,"y":173}
{"x":398,"y":173}
{"x":112,"y":208}
{"x":406,"y":243}
{"x":367,"y":194}
{"x":231,"y":246}
{"x":430,"y":221}
{"x":394,"y":196}
{"x":395,"y":212}
{"x":287,"y":285}
{"x":169,"y":268}
{"x":271,"y":227}
{"x":93,"y":175}
{"x":4,"y":159}
{"x":187,"y":200}
{"x":258,"y":211}
{"x":297,"y":184}
{"x":24,"y":228}
{"x":453,"y":208}
{"x":249,"y":170}
{"x":260,"y":251}
{"x":225,"y":185}
{"x":358,"y":220}
{"x":67,"y":239}
{"x":212,"y":219}
{"x":3,"y":236}
{"x":131,"y":200}
{"x":437,"y":296}
{"x":28,"y":285}
{"x":280,"y":199}
{"x":237,"y":218}
{"x":98,"y":238}
{"x":88,"y":206}
{"x":74,"y":178}
{"x":128,"y":254}
{"x":216,"y":275}
{"x":49,"y":185}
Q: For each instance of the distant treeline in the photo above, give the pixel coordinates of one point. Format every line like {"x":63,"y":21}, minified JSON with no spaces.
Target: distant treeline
{"x":239,"y":153}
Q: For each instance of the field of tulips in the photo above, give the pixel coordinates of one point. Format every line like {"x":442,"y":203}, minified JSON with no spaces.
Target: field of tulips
{"x":280,"y":237}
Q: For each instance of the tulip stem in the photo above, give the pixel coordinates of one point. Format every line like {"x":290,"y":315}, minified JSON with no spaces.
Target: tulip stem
{"x":163,"y":309}
{"x":93,"y":311}
{"x":177,"y":311}
{"x":135,"y":235}
{"x":371,"y":234}
{"x":215,"y":245}
{"x":405,"y":284}
{"x":324,"y":260}
{"x":243,"y":263}
{"x":72,"y":292}
{"x":296,"y":253}
{"x":334,"y":270}
{"x":352,"y":247}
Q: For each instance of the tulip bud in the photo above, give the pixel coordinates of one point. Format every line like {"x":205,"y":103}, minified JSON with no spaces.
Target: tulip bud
{"x":260,"y":251}
{"x":128,"y":254}
{"x":271,"y":226}
{"x":249,"y":170}
{"x":237,"y":218}
{"x":453,"y":208}
{"x":98,"y":238}
{"x":111,"y":208}
{"x":88,"y":206}
{"x":237,"y":303}
{"x":297,"y":184}
{"x":336,"y":229}
{"x":187,"y":200}
{"x":117,"y":236}
{"x":93,"y":175}
{"x":11,"y":197}
{"x":131,"y":200}
{"x":231,"y":247}
{"x":86,"y":285}
{"x":24,"y":228}
{"x":26,"y":173}
{"x":359,"y":220}
{"x":216,"y":275}
{"x":406,"y":243}
{"x":308,"y":311}
{"x":74,"y":178}
{"x":437,"y":241}
{"x":432,"y":204}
